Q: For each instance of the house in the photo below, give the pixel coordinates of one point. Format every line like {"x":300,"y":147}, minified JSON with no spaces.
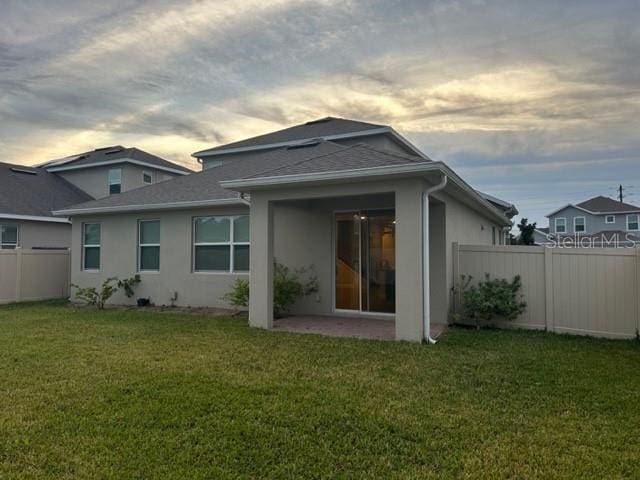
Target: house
{"x":29,"y":194}
{"x":599,"y":221}
{"x":374,"y":215}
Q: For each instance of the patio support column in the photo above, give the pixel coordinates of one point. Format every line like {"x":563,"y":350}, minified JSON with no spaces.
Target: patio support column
{"x":261,"y":262}
{"x":409,"y":289}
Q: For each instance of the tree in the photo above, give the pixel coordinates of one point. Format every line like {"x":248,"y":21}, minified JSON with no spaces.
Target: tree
{"x":526,"y":232}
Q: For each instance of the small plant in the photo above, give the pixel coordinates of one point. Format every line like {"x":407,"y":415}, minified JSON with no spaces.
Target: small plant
{"x":288,"y":286}
{"x":492,"y":299}
{"x":98,"y":297}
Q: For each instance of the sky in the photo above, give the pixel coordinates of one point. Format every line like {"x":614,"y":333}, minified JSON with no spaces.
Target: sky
{"x":535,"y":102}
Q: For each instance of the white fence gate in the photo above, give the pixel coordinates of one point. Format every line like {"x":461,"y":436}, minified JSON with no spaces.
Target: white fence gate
{"x":585,"y":291}
{"x":33,"y":275}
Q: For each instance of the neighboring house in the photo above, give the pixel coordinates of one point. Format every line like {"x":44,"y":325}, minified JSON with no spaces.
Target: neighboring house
{"x":29,"y":194}
{"x":600,"y":219}
{"x":373,"y":214}
{"x":111,"y":170}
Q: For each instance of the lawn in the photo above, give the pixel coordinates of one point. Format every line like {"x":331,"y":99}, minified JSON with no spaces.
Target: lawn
{"x":127,"y":394}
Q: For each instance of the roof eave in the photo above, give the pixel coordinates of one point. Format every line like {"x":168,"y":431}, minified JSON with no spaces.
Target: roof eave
{"x":151,"y":206}
{"x":33,"y":218}
{"x":245,"y":185}
{"x":116,"y":162}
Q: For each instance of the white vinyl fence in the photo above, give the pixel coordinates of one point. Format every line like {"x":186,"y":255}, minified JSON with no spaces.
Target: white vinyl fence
{"x":585,"y":291}
{"x":33,"y":275}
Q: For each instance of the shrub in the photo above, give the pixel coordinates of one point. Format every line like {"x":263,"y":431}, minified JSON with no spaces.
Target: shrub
{"x":288,"y":286}
{"x":492,"y":299}
{"x":98,"y":297}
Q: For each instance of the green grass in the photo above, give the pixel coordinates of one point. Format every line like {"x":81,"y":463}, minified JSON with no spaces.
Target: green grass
{"x":125,"y":394}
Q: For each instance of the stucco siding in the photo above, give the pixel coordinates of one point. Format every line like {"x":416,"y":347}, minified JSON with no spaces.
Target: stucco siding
{"x":41,"y":234}
{"x":119,"y":258}
{"x":94,"y":181}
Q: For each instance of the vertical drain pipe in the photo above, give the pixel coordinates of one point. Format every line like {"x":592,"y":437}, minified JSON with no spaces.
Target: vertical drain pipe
{"x":426,"y":294}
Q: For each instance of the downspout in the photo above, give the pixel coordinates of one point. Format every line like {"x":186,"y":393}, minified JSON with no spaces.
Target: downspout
{"x":426,"y":294}
{"x":244,"y":200}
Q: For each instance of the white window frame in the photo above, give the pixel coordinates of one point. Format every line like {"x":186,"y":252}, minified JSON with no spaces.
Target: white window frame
{"x":141,"y":245}
{"x":146,"y":172}
{"x":7,"y":245}
{"x":109,"y":182}
{"x":607,"y":217}
{"x":564,"y":226}
{"x":231,"y":244}
{"x":637,"y":222}
{"x":575,"y":229}
{"x":84,"y":247}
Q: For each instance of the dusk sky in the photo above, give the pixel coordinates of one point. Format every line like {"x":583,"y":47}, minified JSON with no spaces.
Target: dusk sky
{"x":535,"y":102}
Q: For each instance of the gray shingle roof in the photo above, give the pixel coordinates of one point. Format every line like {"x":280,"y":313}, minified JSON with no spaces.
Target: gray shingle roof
{"x":602,"y":204}
{"x":314,"y":129}
{"x":116,"y":152}
{"x":35,"y":193}
{"x":204,"y":185}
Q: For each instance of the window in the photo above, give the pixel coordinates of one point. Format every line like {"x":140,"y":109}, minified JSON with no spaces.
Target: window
{"x":610,"y":219}
{"x":8,"y":236}
{"x":221,"y":244}
{"x":115,"y":180}
{"x":633,"y":222}
{"x":579,"y":224}
{"x":91,"y":246}
{"x":493,"y":235}
{"x":146,"y":178}
{"x":148,"y":245}
{"x":561,"y":225}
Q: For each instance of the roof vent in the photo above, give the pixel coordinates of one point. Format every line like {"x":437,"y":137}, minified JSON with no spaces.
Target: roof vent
{"x":109,"y":150}
{"x":22,"y":170}
{"x":314,"y":143}
{"x":322,"y":120}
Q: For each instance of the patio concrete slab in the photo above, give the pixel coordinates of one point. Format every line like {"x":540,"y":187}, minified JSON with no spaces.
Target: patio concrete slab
{"x":339,"y":326}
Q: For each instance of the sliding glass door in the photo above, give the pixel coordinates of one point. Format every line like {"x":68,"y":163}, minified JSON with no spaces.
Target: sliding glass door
{"x":365,"y":261}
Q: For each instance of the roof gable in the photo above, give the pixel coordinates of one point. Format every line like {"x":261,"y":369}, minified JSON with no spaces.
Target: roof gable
{"x":603,"y":204}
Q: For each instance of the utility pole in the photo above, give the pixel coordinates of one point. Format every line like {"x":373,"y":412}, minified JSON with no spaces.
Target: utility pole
{"x":620,"y":195}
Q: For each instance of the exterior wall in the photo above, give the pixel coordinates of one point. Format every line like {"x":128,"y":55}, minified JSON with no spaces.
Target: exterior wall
{"x":463,"y":225}
{"x":28,"y":275}
{"x":94,"y":181}
{"x":594,"y":223}
{"x":42,"y":234}
{"x":591,"y":291}
{"x":118,"y":257}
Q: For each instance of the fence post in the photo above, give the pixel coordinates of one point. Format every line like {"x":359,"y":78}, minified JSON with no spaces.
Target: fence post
{"x":548,"y":289}
{"x":18,"y":274}
{"x":455,"y":251}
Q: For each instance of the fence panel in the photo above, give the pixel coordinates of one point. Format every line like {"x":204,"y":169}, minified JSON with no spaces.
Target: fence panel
{"x":580,"y":291}
{"x":33,"y":275}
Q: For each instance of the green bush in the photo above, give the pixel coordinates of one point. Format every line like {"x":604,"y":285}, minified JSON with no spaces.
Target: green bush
{"x":288,"y":286}
{"x":492,"y":299}
{"x":98,"y":297}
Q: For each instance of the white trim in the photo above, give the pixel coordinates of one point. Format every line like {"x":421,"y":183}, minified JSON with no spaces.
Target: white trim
{"x":211,"y":152}
{"x":34,"y":218}
{"x":637,"y":221}
{"x":151,"y":206}
{"x":360,"y":173}
{"x":606,"y":219}
{"x":84,"y":246}
{"x":141,"y":245}
{"x":575,"y":230}
{"x":555,"y":230}
{"x":115,"y":162}
{"x":231,"y":243}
